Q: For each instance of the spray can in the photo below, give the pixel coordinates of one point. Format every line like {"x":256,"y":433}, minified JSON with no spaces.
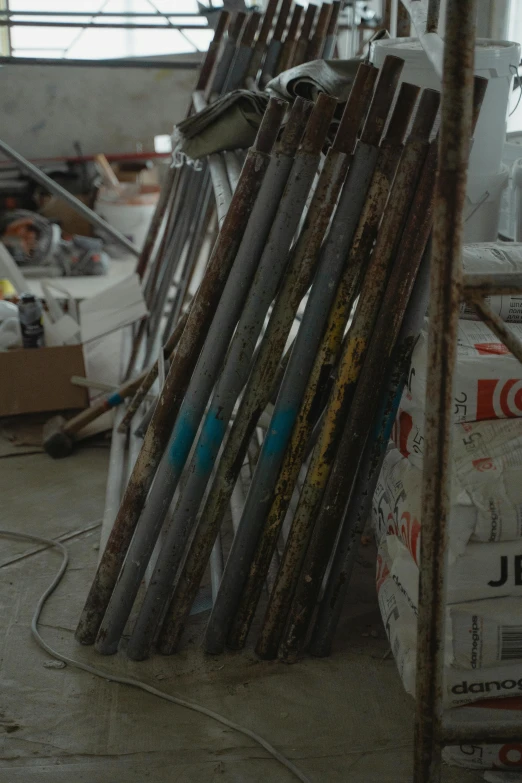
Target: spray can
{"x":30,"y":312}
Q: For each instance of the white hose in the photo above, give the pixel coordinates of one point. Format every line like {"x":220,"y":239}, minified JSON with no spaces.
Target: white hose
{"x":190,"y":705}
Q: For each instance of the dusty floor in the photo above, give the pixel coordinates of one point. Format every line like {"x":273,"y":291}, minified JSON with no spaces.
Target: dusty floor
{"x":342,"y":720}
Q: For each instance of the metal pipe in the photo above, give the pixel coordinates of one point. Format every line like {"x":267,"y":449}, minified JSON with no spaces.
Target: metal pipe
{"x":432,"y":21}
{"x":298,"y":279}
{"x":331,"y":33}
{"x":54,"y":187}
{"x":181,"y":369}
{"x":359,"y":505}
{"x":258,"y":392}
{"x":498,"y":326}
{"x":491,"y":284}
{"x":243,"y":54}
{"x":446,"y":278}
{"x":308,"y":342}
{"x":260,"y":45}
{"x":302,"y":42}
{"x":275,"y":45}
{"x":158,"y":65}
{"x":316,"y":45}
{"x":216,"y":86}
{"x":356,"y":246}
{"x":234,"y":373}
{"x":261,"y":381}
{"x":355,"y":425}
{"x":287,"y":50}
{"x":210,"y":63}
{"x":104,"y":25}
{"x":356,"y":342}
{"x":204,"y":377}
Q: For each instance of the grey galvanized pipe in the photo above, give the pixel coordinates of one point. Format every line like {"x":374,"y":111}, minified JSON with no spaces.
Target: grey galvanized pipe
{"x":243,"y":54}
{"x":217,"y":84}
{"x":207,"y":369}
{"x":275,"y":45}
{"x":234,"y":373}
{"x":187,"y":352}
{"x":261,"y":381}
{"x":53,"y":187}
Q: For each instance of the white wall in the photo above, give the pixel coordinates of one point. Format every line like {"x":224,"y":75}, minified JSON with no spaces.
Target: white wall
{"x":45,"y":109}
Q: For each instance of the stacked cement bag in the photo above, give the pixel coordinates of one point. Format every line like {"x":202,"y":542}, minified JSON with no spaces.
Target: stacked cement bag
{"x":483,"y":645}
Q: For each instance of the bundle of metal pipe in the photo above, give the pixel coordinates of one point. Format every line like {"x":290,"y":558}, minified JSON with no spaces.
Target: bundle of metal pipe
{"x":293,"y":221}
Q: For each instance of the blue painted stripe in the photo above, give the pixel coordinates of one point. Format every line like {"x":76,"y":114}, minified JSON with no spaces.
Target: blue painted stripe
{"x":279,"y":432}
{"x":181,"y":443}
{"x":114,"y":400}
{"x":210,"y":440}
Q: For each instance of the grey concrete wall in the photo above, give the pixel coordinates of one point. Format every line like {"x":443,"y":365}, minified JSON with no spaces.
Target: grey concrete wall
{"x":45,"y":109}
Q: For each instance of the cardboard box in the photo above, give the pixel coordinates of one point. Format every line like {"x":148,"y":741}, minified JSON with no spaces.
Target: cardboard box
{"x":39,"y":379}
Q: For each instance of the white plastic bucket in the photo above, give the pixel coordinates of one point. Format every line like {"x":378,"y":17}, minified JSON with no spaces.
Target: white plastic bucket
{"x":130,"y":212}
{"x":482,"y":210}
{"x":494,"y":60}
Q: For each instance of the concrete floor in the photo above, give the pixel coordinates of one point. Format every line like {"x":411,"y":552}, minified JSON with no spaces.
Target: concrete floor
{"x":345,"y":719}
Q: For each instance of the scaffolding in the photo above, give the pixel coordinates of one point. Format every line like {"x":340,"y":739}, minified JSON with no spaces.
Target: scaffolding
{"x":454,"y":59}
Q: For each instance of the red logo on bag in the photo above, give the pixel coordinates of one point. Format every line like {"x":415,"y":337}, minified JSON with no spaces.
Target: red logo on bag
{"x":382,"y":572}
{"x":410,"y":532}
{"x":489,"y":348}
{"x":484,"y":464}
{"x":403,"y":427}
{"x":499,"y":400}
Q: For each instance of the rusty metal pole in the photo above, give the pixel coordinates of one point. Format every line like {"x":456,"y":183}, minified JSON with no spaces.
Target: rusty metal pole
{"x":266,"y":370}
{"x":315,"y":47}
{"x":234,"y":373}
{"x":287,"y":50}
{"x":303,"y":40}
{"x":217,"y":84}
{"x":362,"y":409}
{"x":260,"y":46}
{"x":446,"y":277}
{"x":258,"y":500}
{"x":243,"y":54}
{"x":354,"y":348}
{"x":318,"y":382}
{"x":207,"y":370}
{"x":187,"y":352}
{"x":359,"y":505}
{"x":290,"y":397}
{"x":331,"y":33}
{"x":275,"y":45}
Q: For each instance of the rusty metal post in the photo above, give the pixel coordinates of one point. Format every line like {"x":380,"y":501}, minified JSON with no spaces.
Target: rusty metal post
{"x":432,"y":22}
{"x":298,"y":279}
{"x":331,"y":33}
{"x":210,"y":63}
{"x":357,"y":250}
{"x":275,"y":45}
{"x":181,"y":369}
{"x":243,"y":54}
{"x":446,"y":277}
{"x":289,"y":44}
{"x":362,"y":409}
{"x":359,"y":505}
{"x":301,"y":362}
{"x":315,"y":47}
{"x":217,"y":84}
{"x":303,"y":40}
{"x":354,"y":348}
{"x":209,"y":364}
{"x":260,"y":45}
{"x":234,"y":373}
{"x":266,"y":368}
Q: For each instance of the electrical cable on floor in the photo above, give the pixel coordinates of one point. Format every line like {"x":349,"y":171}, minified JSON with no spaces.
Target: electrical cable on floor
{"x":128,"y":680}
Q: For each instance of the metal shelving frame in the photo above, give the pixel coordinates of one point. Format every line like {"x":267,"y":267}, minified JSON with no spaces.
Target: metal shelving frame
{"x":453,"y":58}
